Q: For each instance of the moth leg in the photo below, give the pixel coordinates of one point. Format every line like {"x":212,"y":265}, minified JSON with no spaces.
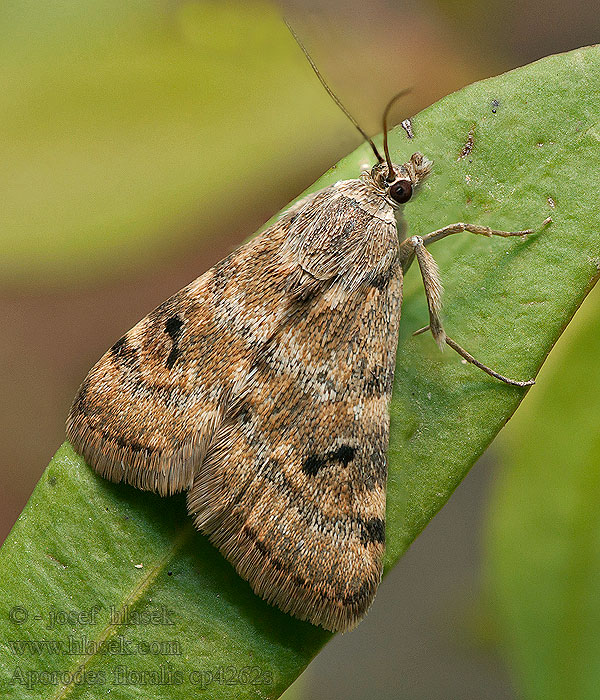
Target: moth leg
{"x":433,"y":288}
{"x":473,"y":228}
{"x":407,"y":251}
{"x":469,"y":358}
{"x":433,"y":291}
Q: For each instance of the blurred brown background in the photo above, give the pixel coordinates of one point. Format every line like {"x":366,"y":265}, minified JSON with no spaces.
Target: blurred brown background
{"x":142,"y":141}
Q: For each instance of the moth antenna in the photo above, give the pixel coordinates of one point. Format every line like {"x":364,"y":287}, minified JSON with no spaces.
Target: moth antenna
{"x":332,"y":94}
{"x":386,"y":148}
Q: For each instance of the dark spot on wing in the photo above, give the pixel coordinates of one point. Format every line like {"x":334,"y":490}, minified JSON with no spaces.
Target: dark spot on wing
{"x":123,"y":352}
{"x":364,"y":591}
{"x":382,"y":280}
{"x":173,"y":327}
{"x":313,"y":464}
{"x":344,"y":454}
{"x":172,"y":358}
{"x":80,"y":401}
{"x":372,"y":531}
{"x":127,"y":444}
{"x":379,"y":381}
{"x":119,"y":345}
{"x":241,"y":412}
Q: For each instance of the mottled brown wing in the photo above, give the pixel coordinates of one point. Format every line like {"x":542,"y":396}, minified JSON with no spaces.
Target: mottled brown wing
{"x":263,"y":387}
{"x":147,"y":411}
{"x":292,"y":489}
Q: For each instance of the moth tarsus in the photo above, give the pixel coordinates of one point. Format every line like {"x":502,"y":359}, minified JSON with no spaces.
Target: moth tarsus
{"x":262,"y":390}
{"x":469,"y":358}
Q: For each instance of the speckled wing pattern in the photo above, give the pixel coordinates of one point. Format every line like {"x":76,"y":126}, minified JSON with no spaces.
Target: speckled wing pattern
{"x":263,"y":390}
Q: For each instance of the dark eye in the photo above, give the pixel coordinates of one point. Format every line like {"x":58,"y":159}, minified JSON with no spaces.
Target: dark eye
{"x":401,"y":191}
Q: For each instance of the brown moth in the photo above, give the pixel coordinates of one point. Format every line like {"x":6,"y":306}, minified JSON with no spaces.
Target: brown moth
{"x":262,"y":390}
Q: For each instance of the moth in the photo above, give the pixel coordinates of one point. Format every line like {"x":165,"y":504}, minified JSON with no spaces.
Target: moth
{"x":262,"y":390}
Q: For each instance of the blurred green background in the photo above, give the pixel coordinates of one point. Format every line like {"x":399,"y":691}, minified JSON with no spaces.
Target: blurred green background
{"x":142,"y":140}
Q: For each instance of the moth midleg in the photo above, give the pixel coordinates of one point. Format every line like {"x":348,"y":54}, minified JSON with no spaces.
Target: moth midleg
{"x":415,"y":247}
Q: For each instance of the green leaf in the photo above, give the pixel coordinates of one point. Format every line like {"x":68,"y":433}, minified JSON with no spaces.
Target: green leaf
{"x":79,"y":539}
{"x":543,"y":564}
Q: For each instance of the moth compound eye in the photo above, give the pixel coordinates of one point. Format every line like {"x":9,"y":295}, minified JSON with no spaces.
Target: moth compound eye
{"x":401,"y":191}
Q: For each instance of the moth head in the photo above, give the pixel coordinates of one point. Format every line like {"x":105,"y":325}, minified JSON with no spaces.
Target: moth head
{"x":397,"y":183}
{"x":394,"y":182}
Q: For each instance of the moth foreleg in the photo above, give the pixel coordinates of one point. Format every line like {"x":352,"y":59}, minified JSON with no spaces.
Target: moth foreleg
{"x":460,"y":227}
{"x":407,"y":251}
